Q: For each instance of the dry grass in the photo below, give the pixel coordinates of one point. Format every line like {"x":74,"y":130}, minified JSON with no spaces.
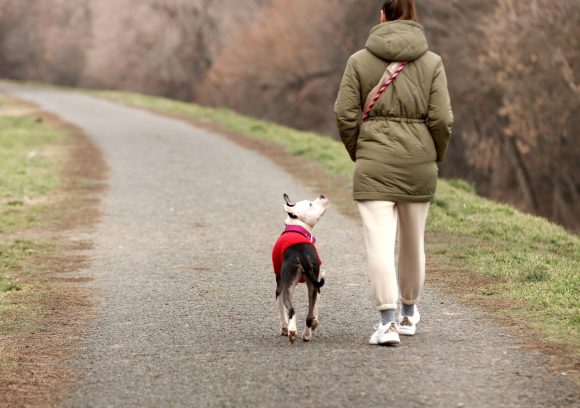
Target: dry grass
{"x":41,"y":323}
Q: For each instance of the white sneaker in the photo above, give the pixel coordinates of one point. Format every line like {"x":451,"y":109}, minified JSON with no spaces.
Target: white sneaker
{"x":379,"y":328}
{"x":408,"y":324}
{"x":385,"y":334}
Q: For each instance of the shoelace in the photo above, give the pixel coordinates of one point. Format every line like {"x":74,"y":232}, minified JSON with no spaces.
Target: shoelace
{"x":392,"y":328}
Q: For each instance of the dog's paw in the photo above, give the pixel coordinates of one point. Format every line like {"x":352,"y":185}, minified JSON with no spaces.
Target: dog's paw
{"x":292,"y":336}
{"x":307,"y":334}
{"x":314,"y":324}
{"x":284,"y":331}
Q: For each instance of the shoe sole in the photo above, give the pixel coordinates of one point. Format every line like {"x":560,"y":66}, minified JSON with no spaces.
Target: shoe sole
{"x":391,"y":343}
{"x":403,"y":331}
{"x":392,"y":340}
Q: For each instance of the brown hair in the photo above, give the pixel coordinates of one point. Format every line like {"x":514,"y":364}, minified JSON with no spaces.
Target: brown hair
{"x":400,"y":10}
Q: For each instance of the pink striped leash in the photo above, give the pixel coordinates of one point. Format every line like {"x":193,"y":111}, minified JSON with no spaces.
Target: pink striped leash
{"x":383,"y":87}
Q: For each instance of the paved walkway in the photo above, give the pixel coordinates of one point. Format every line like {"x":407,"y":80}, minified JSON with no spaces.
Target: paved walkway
{"x":186,"y":315}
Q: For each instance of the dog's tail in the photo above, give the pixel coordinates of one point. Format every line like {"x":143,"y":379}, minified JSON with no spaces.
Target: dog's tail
{"x":310,"y":275}
{"x":321,"y":282}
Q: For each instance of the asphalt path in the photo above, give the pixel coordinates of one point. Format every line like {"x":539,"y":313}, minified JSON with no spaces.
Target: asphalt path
{"x":186,"y":314}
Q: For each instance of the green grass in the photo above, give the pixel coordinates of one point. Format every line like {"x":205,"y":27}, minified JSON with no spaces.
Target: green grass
{"x":532,"y":264}
{"x":536,"y":264}
{"x":29,"y":179}
{"x":27,"y":176}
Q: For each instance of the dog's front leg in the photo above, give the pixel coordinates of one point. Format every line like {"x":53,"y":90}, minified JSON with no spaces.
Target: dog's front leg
{"x":281,"y":308}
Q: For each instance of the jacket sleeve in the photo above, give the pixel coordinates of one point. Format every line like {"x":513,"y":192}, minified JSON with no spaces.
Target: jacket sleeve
{"x":348,"y":108}
{"x":440,"y":121}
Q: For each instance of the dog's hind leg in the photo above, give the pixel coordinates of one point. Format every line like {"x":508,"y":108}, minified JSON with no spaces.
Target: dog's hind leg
{"x":291,"y":273}
{"x":315,"y":312}
{"x":311,"y":319}
{"x":281,"y":308}
{"x":287,"y":297}
{"x":316,"y":301}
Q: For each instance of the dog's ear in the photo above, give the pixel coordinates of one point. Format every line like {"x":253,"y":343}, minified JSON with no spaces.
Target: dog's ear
{"x":288,"y":202}
{"x":290,"y":211}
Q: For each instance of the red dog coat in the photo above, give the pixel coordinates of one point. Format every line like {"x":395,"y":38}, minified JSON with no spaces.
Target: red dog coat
{"x":292,"y":235}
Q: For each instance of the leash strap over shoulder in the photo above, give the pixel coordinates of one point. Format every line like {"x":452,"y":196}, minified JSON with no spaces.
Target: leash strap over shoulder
{"x":392,"y":71}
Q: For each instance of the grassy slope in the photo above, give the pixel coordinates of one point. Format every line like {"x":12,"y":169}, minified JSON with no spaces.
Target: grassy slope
{"x":530,"y":263}
{"x":29,"y":180}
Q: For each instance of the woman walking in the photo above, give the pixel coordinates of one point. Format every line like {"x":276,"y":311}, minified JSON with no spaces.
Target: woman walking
{"x":400,"y":88}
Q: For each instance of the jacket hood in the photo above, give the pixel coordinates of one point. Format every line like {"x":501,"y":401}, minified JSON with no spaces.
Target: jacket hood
{"x":401,"y":40}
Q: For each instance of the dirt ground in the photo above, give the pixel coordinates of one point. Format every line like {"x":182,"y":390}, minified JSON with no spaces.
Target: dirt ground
{"x":36,"y":370}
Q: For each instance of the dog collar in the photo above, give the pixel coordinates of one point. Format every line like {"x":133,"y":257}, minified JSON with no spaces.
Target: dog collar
{"x":300,"y":230}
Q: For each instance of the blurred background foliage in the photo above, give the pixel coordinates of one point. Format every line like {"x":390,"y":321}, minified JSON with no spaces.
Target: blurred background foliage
{"x":512,"y":67}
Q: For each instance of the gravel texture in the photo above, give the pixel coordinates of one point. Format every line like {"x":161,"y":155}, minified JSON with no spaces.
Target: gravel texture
{"x":187,"y":317}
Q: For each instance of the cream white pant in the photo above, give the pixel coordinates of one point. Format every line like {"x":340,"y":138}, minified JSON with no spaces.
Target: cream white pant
{"x":384,"y":222}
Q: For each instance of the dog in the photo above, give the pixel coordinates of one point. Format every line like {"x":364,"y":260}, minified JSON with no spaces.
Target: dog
{"x":295,"y":259}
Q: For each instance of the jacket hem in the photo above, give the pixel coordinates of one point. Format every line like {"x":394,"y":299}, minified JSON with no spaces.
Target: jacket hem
{"x":367,"y":196}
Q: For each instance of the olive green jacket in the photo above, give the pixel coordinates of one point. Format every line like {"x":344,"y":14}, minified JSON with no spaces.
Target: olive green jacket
{"x":409,"y":128}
